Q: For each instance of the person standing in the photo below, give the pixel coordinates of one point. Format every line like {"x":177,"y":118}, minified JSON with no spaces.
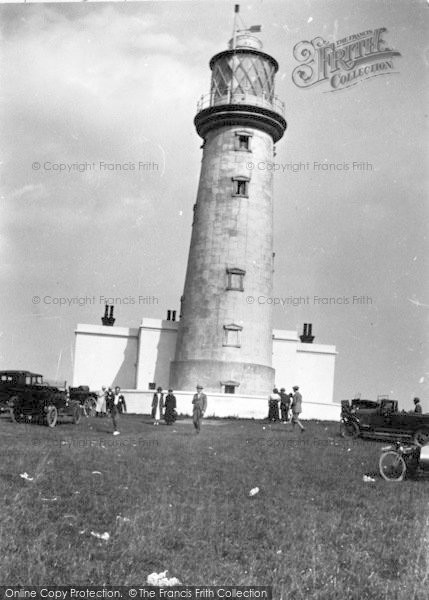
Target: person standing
{"x":157,"y":405}
{"x":417,"y":406}
{"x":200,"y":406}
{"x":109,"y":396}
{"x":284,"y":405}
{"x":170,"y":407}
{"x":100,"y":407}
{"x":112,"y":406}
{"x":120,"y":400}
{"x":273,"y":405}
{"x":297,"y":408}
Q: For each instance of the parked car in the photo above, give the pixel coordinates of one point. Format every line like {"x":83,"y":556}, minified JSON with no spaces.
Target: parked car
{"x":28,"y":397}
{"x":384,"y":421}
{"x":86,"y":399}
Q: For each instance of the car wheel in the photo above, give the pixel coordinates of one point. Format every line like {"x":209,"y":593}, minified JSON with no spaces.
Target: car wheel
{"x":392,"y":466}
{"x":15,"y":414}
{"x":51,"y":416}
{"x":90,"y":407}
{"x":77,"y":415}
{"x":349,"y":429}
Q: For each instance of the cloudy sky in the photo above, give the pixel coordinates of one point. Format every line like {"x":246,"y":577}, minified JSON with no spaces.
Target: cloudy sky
{"x":118,"y":83}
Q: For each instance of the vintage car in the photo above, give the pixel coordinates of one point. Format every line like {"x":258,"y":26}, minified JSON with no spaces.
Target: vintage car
{"x":28,"y":398}
{"x":86,"y":399}
{"x":384,"y":421}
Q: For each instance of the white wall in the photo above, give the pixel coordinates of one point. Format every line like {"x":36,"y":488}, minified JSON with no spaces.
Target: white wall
{"x":132,"y":358}
{"x":315,"y":372}
{"x":157,"y":345}
{"x":105,"y":356}
{"x":228,"y":405}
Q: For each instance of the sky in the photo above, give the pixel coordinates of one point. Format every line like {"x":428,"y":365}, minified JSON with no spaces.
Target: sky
{"x":90,"y":83}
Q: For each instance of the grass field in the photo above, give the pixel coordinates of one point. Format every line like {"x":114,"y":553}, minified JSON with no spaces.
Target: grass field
{"x":170,"y":499}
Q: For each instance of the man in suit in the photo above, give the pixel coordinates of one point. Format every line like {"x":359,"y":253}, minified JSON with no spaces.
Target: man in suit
{"x":120,"y":400}
{"x":200,"y":406}
{"x":297,"y":408}
{"x":112,"y":407}
{"x":417,"y":406}
{"x":157,"y":405}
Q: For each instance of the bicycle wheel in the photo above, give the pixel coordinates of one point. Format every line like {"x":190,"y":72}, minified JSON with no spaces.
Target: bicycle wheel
{"x":392,"y":466}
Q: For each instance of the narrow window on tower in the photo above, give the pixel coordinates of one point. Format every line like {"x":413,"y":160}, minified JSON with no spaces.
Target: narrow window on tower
{"x":235,"y":278}
{"x":240,"y":186}
{"x":243,"y":141}
{"x":229,"y":386}
{"x":232,"y":335}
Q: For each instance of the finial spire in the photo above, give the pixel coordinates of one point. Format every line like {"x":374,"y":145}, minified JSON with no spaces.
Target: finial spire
{"x":234,"y":32}
{"x":243,"y":32}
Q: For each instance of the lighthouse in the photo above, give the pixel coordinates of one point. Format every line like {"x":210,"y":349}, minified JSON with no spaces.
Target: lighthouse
{"x":224,"y":339}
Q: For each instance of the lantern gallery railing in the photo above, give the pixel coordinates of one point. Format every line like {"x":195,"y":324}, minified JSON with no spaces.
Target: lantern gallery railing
{"x":273,"y":103}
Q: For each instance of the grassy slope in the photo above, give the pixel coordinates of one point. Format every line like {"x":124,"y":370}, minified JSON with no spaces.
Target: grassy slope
{"x":315,"y":530}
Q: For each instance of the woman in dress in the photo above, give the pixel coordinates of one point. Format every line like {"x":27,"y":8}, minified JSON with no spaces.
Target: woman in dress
{"x":273,"y":405}
{"x":157,"y":405}
{"x":100,"y":408}
{"x":170,"y":407}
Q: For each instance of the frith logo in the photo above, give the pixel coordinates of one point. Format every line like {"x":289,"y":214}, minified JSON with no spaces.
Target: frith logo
{"x":343,"y":63}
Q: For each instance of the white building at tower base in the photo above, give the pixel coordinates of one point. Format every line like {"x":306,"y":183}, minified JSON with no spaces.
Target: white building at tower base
{"x":137,"y":359}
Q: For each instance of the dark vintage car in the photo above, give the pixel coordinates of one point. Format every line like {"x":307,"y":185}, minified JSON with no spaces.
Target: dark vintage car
{"x":383,"y":420}
{"x":86,"y":399}
{"x":28,"y":398}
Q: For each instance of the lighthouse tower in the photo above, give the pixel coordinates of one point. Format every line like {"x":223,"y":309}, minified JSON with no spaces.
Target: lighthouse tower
{"x":225,"y":331}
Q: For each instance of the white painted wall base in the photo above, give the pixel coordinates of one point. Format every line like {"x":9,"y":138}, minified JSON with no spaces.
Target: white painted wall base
{"x":229,"y":405}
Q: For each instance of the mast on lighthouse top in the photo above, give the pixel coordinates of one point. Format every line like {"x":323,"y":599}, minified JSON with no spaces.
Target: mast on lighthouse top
{"x":242,"y":87}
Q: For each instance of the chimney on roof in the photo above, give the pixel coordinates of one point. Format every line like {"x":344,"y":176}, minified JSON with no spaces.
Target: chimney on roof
{"x":307,"y":337}
{"x":108,"y":319}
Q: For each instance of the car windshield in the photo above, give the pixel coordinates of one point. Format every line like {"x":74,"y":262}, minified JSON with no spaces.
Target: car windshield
{"x":364,"y":403}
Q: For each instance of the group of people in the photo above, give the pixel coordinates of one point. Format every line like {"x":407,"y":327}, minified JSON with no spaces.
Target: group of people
{"x":112,"y":403}
{"x":287,"y":402}
{"x":165,"y":407}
